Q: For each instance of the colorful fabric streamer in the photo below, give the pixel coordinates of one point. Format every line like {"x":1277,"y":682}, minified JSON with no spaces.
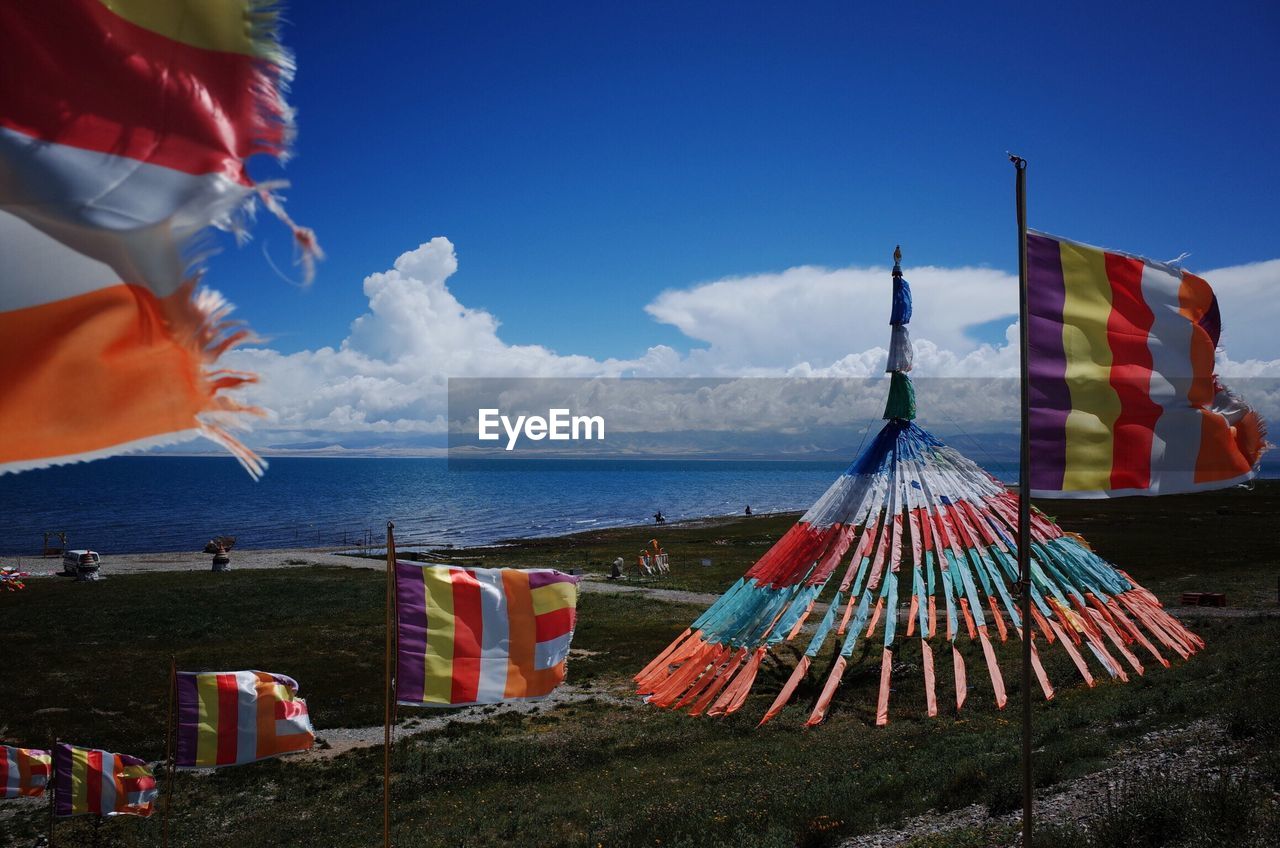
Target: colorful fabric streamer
{"x":11,"y":580}
{"x":481,"y":635}
{"x":1124,"y":396}
{"x":24,"y":772}
{"x":914,"y":523}
{"x":124,"y":133}
{"x":89,"y":781}
{"x":236,"y":717}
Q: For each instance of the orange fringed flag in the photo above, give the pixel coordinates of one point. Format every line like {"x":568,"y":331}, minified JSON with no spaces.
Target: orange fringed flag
{"x":124,"y":131}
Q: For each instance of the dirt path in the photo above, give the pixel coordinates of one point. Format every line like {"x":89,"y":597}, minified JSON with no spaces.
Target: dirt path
{"x":338,"y":740}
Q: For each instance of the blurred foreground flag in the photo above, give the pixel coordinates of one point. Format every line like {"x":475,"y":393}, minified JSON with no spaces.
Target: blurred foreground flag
{"x":24,"y":772}
{"x":124,"y":130}
{"x":481,"y":635}
{"x":236,"y":717}
{"x":95,"y":782}
{"x":1124,"y":398}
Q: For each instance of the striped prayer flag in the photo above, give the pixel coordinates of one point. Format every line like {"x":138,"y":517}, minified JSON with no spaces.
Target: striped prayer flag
{"x":481,"y":635}
{"x":95,"y":782}
{"x":1124,"y":398}
{"x":24,"y":772}
{"x":124,"y":132}
{"x":236,"y":717}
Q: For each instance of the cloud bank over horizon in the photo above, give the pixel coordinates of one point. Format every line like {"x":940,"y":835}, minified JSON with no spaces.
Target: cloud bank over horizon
{"x":386,"y":382}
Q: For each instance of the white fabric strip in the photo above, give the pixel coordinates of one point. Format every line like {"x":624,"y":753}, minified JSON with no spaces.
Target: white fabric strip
{"x":108,"y":779}
{"x":11,"y":772}
{"x":40,"y":179}
{"x":246,"y":717}
{"x":73,"y":221}
{"x":900,"y":354}
{"x":36,"y":268}
{"x":495,"y":645}
{"x":300,"y":723}
{"x":1176,"y":445}
{"x":551,"y":653}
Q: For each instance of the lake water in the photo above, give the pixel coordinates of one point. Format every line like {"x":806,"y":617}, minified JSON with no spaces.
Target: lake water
{"x":154,"y":503}
{"x":159,"y":503}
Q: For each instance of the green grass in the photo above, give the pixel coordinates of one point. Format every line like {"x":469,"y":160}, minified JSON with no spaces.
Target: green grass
{"x":584,"y":774}
{"x":88,"y":662}
{"x":1209,"y":542}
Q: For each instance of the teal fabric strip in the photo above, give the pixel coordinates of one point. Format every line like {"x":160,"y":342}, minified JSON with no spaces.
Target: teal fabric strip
{"x":824,"y":627}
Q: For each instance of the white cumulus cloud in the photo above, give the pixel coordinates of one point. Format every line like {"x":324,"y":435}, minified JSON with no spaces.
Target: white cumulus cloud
{"x":390,"y":375}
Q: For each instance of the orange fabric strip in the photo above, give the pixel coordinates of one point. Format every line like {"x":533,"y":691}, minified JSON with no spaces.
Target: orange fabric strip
{"x":114,"y":354}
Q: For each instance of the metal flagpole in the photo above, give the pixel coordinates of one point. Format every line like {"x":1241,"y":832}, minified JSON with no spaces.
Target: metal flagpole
{"x":1024,"y":501}
{"x":170,"y":759}
{"x":386,"y":719}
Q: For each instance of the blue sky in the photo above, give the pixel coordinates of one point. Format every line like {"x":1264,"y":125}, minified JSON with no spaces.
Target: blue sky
{"x":584,"y":157}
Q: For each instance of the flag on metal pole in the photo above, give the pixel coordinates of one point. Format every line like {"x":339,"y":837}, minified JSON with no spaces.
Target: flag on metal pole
{"x":96,"y":782}
{"x":237,"y":717}
{"x":24,"y":772}
{"x":481,"y":635}
{"x":1124,"y":397}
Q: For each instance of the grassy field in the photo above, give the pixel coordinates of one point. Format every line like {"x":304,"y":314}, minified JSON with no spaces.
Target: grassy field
{"x":88,"y":663}
{"x":1214,"y":542}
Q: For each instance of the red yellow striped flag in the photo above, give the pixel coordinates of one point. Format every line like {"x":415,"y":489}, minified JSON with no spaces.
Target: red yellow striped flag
{"x":24,"y":772}
{"x":124,"y":130}
{"x":481,"y":635}
{"x":236,"y":717}
{"x":1124,"y":398}
{"x":96,"y":782}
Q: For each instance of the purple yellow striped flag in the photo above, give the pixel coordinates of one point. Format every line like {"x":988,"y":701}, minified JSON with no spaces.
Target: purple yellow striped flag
{"x":124,"y":130}
{"x":481,"y":635}
{"x":228,"y":718}
{"x":1124,"y":398}
{"x":24,"y":772}
{"x":95,"y":782}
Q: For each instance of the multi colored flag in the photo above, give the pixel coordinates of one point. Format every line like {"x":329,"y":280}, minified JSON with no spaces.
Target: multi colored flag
{"x":236,"y":717}
{"x":11,"y":579}
{"x":24,"y":772}
{"x":95,"y":782}
{"x":481,"y":635}
{"x":1124,"y":398}
{"x":124,"y":131}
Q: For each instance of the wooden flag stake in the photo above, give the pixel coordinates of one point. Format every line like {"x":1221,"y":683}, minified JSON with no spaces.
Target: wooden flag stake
{"x":170,"y":758}
{"x":386,"y":718}
{"x":52,"y":786}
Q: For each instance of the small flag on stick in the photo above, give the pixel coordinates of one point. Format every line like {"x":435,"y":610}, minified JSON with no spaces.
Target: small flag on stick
{"x":236,"y":717}
{"x":479,"y":635}
{"x":24,"y":772}
{"x":1124,"y":398}
{"x":95,"y":782}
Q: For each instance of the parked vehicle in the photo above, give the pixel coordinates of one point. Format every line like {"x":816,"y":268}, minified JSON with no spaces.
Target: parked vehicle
{"x":81,"y":564}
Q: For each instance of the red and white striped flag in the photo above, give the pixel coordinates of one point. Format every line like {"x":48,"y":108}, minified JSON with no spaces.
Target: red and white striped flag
{"x":124,"y":130}
{"x":24,"y":772}
{"x":236,"y":717}
{"x":96,"y":782}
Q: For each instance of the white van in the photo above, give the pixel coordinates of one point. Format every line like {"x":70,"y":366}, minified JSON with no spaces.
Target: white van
{"x":81,"y":564}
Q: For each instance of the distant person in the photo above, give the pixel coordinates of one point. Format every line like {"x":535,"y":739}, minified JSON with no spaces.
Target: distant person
{"x":748,"y":510}
{"x":658,"y":517}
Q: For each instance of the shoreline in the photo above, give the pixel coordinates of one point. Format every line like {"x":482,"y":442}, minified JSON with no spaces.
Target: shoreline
{"x":350,"y":551}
